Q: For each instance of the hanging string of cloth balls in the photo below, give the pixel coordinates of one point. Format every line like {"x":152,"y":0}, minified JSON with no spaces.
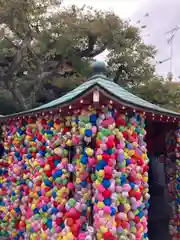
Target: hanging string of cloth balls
{"x":47,"y":193}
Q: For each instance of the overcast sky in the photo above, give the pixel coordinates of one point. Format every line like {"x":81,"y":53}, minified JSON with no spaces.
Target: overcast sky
{"x":163,"y":16}
{"x":123,"y":8}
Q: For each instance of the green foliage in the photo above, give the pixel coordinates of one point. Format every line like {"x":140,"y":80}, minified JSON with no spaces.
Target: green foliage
{"x":160,"y":92}
{"x":45,"y":51}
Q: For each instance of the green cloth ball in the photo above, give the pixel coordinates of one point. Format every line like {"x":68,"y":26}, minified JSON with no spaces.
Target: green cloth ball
{"x":72,"y":202}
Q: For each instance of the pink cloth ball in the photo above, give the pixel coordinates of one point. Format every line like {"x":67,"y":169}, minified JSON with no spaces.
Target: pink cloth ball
{"x":101,"y":188}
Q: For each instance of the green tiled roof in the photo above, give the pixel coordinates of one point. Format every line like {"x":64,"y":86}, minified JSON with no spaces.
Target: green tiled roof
{"x":111,"y":88}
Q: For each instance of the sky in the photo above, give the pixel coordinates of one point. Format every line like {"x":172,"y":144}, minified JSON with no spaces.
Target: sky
{"x":157,"y":23}
{"x":123,"y":8}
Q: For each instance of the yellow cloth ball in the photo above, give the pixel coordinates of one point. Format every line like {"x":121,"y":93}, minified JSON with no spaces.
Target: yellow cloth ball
{"x":69,"y":142}
{"x":101,"y":173}
{"x":86,"y":196}
{"x":99,"y":236}
{"x":69,"y":236}
{"x":97,"y":182}
{"x":107,"y":217}
{"x":127,"y":207}
{"x":99,"y":157}
{"x":89,"y":152}
{"x":14,"y":234}
{"x":33,"y":237}
{"x":145,"y":178}
{"x":31,"y":194}
{"x":48,"y":194}
{"x":126,"y":156}
{"x":28,"y":227}
{"x":47,"y":167}
{"x":131,"y":153}
{"x":100,"y":204}
{"x":78,"y":180}
{"x":103,"y":229}
{"x":43,"y":236}
{"x":82,"y":130}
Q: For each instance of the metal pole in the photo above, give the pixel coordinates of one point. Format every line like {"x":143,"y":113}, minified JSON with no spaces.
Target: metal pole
{"x":172,"y":33}
{"x":171,"y":57}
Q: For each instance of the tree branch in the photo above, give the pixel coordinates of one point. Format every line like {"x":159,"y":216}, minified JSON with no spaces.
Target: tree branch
{"x":98,"y":50}
{"x":18,"y":58}
{"x":118,"y":73}
{"x":91,"y":43}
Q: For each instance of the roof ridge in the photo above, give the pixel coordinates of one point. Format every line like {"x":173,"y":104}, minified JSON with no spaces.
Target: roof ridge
{"x":108,"y":85}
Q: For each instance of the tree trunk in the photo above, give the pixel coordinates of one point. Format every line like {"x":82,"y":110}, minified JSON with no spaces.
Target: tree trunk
{"x":16,"y":94}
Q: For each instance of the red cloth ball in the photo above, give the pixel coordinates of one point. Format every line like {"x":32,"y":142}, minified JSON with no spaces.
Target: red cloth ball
{"x":110,"y":143}
{"x":138,"y":195}
{"x":75,"y":229}
{"x":51,"y":164}
{"x":108,"y":236}
{"x":106,"y":193}
{"x":39,"y":137}
{"x":43,"y":121}
{"x":69,"y":222}
{"x":140,"y":162}
{"x":125,"y":134}
{"x":132,"y":193}
{"x":120,"y":122}
{"x":105,"y":156}
{"x":107,"y":176}
{"x":57,"y":121}
{"x":65,"y":130}
{"x":58,"y":221}
{"x":44,"y":227}
{"x":48,"y":173}
{"x":43,"y":148}
{"x":137,"y":219}
{"x":50,"y":159}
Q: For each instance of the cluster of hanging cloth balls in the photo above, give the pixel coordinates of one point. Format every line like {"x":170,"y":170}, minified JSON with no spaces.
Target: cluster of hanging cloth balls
{"x":55,"y":177}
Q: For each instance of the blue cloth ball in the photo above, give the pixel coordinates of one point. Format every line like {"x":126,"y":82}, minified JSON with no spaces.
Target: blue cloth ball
{"x":17,"y":154}
{"x":109,"y":151}
{"x":178,"y":186}
{"x":42,"y":153}
{"x":50,"y":124}
{"x":128,"y":161}
{"x":93,"y":118}
{"x":84,"y":183}
{"x":54,"y":195}
{"x":44,"y":208}
{"x":29,"y":155}
{"x":17,"y":210}
{"x":101,"y":164}
{"x":140,"y":214}
{"x":19,"y":158}
{"x":49,"y":223}
{"x":107,"y":201}
{"x":34,"y":139}
{"x":58,"y":173}
{"x":88,"y":132}
{"x":113,"y":211}
{"x":54,"y":210}
{"x":106,"y":183}
{"x":49,"y":132}
{"x":84,"y":159}
{"x":36,"y":211}
{"x":56,"y":162}
{"x":48,"y":183}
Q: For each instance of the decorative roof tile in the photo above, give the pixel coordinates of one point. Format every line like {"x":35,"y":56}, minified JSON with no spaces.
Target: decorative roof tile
{"x":111,"y":88}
